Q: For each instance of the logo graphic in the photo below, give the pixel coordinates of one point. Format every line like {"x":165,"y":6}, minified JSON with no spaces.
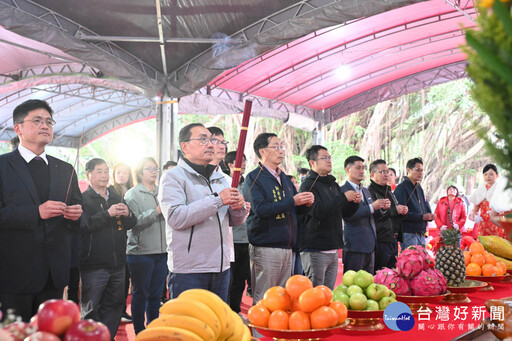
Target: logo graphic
{"x":398,"y":317}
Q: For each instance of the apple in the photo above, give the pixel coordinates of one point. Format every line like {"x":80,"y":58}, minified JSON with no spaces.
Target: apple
{"x":87,"y":330}
{"x":348,"y":278}
{"x":42,"y":336}
{"x":357,"y":301}
{"x":363,"y":278}
{"x":391,"y":293}
{"x":20,"y":330}
{"x":340,"y":288}
{"x":385,"y":301}
{"x":56,"y":316}
{"x":341,"y":297}
{"x":371,"y":305}
{"x":376,"y":292}
{"x":354,"y":289}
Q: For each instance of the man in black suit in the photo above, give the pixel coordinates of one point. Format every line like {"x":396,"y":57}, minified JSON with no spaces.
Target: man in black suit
{"x":359,"y":233}
{"x":37,"y":214}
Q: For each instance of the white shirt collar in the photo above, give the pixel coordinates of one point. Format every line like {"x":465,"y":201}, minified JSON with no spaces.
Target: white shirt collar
{"x":358,"y":188}
{"x":28,"y":155}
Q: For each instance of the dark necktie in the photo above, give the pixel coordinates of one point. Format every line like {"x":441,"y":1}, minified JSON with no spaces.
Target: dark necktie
{"x":41,"y":176}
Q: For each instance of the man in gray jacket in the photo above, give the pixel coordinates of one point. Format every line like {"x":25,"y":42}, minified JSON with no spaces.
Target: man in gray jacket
{"x":199,"y":207}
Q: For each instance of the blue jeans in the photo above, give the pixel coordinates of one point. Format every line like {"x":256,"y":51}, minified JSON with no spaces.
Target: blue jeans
{"x":412,"y":239}
{"x":216,"y":282}
{"x":148,"y":274}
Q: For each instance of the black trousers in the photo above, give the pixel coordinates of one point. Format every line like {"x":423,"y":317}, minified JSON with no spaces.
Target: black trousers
{"x":240,"y":275}
{"x":386,"y":254}
{"x":26,"y":305}
{"x":358,"y":261}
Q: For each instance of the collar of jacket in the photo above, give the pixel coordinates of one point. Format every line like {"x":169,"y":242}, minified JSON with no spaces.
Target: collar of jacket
{"x":379,"y":188}
{"x":326,"y":178}
{"x":205,"y":171}
{"x":143,"y":188}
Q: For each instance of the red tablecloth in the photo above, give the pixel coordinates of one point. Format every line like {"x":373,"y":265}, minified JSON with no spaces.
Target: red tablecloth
{"x":447,"y":321}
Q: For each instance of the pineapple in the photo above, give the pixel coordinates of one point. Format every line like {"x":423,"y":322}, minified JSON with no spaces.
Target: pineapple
{"x":450,"y":259}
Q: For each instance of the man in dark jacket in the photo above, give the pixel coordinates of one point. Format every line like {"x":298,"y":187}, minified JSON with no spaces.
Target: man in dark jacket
{"x":410,"y":194}
{"x":388,"y":222}
{"x":322,"y":224}
{"x":103,"y":248}
{"x":272,"y":222}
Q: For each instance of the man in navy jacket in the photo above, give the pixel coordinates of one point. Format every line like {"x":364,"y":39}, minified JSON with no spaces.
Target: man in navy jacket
{"x":410,"y":194}
{"x":272,"y":222}
{"x":359,"y":233}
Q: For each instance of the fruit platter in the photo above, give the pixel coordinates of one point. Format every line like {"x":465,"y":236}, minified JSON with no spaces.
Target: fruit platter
{"x":458,"y":293}
{"x":296,"y":335}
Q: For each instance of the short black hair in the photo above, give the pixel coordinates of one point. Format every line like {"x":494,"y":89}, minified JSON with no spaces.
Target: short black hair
{"x":231,"y":157}
{"x":303,"y":171}
{"x":412,"y":162}
{"x":291,"y":176}
{"x":169,"y":164}
{"x":312,"y":152}
{"x":22,"y":110}
{"x":490,"y":166}
{"x":452,"y":186}
{"x":91,"y":164}
{"x":392,"y":170}
{"x":262,"y":141}
{"x":216,"y":131}
{"x":375,"y":164}
{"x":351,"y":160}
{"x":185,"y":132}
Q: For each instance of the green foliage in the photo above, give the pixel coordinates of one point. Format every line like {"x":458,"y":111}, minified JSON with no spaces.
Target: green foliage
{"x":339,"y":152}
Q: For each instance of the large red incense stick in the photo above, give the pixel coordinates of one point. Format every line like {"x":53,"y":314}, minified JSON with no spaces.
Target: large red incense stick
{"x":241,"y":144}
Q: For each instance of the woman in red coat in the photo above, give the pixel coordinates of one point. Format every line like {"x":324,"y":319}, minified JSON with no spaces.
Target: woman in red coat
{"x":450,"y":211}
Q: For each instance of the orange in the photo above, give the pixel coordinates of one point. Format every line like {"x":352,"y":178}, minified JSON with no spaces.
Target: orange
{"x":489,"y":270}
{"x":327,"y":293}
{"x":299,"y":320}
{"x":323,"y":317}
{"x":467,"y":257}
{"x":502,"y":266}
{"x":311,"y":299}
{"x":499,"y":270}
{"x":278,"y":320}
{"x":475,"y":248}
{"x":294,"y":305}
{"x":259,"y":315}
{"x":276,"y":298}
{"x":489,"y":258}
{"x":297,"y":284}
{"x":473,"y":269}
{"x":341,"y":310}
{"x":478,"y":258}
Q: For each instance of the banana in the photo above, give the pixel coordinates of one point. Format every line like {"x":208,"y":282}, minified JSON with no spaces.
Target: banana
{"x":193,"y":324}
{"x":194,"y":309}
{"x":247,"y":334}
{"x":238,"y":331}
{"x":221,"y":309}
{"x":167,"y":334}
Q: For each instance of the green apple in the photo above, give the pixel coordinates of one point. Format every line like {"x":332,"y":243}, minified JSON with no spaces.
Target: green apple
{"x":385,"y":301}
{"x":341,"y":288}
{"x":376,"y":291}
{"x":391,"y":293}
{"x":371,"y":305}
{"x":341,"y":297}
{"x":348,"y":277}
{"x":363,"y":278}
{"x":354,"y":289}
{"x":357,"y":301}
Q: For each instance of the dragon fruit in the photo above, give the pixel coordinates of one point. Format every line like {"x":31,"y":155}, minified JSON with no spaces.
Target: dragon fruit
{"x":412,"y":261}
{"x":429,"y":283}
{"x":391,"y":279}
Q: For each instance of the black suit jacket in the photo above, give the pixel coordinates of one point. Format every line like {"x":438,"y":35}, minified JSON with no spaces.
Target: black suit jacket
{"x":32,"y":248}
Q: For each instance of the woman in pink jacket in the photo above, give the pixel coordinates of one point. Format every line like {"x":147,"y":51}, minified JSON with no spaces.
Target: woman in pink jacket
{"x":450,"y":211}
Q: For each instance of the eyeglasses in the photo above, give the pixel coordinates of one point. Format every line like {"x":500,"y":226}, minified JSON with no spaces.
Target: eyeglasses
{"x":385,"y":171}
{"x":204,"y":141}
{"x":151,"y":169}
{"x":38,"y":121}
{"x":419,"y":170}
{"x":277,"y":148}
{"x":325,"y":158}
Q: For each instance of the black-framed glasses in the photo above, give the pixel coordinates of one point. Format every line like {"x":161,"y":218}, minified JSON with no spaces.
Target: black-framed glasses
{"x":385,"y":171}
{"x":204,"y":140}
{"x":38,"y":121}
{"x":151,"y":169}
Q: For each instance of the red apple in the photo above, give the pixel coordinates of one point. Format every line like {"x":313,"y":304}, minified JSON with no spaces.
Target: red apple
{"x":56,"y":316}
{"x":19,"y":330}
{"x":42,"y":336}
{"x":87,"y":330}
